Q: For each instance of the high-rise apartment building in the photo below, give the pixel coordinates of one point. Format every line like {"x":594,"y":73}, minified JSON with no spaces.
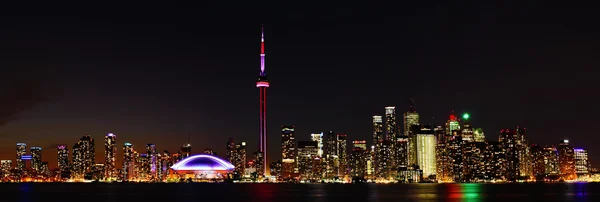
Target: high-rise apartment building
{"x":5,"y":166}
{"x":36,"y":159}
{"x":128,"y":171}
{"x":84,"y":156}
{"x":307,"y":152}
{"x":288,"y":152}
{"x":110,"y":153}
{"x":240,"y":155}
{"x":21,"y":151}
{"x":152,"y":156}
{"x":551,"y":165}
{"x":342,"y":154}
{"x":63,"y":158}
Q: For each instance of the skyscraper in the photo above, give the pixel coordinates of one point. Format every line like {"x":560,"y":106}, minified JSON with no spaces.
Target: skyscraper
{"x":582,"y":165}
{"x":343,"y":169}
{"x":333,"y":159}
{"x":262,"y":83}
{"x":426,"y":150}
{"x":21,"y":151}
{"x":128,"y":161}
{"x":377,"y":142}
{"x":407,"y":150}
{"x":110,"y":152}
{"x":411,"y":117}
{"x":566,"y":160}
{"x":5,"y":166}
{"x":151,"y":154}
{"x":390,"y":123}
{"x":318,"y":137}
{"x":307,"y":152}
{"x":478,"y":135}
{"x":377,"y":129}
{"x":288,"y":151}
{"x":452,"y":123}
{"x":36,"y":159}
{"x":84,"y":156}
{"x":63,"y":158}
{"x":467,"y":130}
{"x":230,"y":150}
{"x":186,"y":150}
{"x":240,"y":155}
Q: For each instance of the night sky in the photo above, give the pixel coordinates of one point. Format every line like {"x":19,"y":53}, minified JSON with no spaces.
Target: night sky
{"x":154,"y":73}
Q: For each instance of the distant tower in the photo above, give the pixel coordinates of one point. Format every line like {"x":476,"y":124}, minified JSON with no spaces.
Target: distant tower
{"x":230,"y":150}
{"x":36,"y":159}
{"x":21,"y":151}
{"x":110,"y":152}
{"x":63,"y":158}
{"x":128,"y":161}
{"x":262,"y":83}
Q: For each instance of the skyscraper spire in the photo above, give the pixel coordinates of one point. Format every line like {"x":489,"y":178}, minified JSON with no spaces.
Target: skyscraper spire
{"x":262,"y":83}
{"x":412,"y":106}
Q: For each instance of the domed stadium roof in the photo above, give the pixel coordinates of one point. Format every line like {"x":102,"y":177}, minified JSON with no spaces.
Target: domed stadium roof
{"x":203,"y":162}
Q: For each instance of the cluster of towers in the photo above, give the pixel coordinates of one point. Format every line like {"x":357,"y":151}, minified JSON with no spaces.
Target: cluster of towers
{"x":150,"y":165}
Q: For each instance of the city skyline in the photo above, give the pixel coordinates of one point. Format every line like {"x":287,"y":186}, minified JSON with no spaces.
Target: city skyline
{"x":175,"y":75}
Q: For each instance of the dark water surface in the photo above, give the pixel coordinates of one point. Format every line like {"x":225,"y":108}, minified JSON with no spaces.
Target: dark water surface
{"x":27,"y":192}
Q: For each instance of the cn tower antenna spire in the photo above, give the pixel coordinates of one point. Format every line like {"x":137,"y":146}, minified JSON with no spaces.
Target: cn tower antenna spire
{"x":262,"y":50}
{"x":262,"y":83}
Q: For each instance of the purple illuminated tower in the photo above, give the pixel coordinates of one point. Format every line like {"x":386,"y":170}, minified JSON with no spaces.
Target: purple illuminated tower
{"x":262,"y":83}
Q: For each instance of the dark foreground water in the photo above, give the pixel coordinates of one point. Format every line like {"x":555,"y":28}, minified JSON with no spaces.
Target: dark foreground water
{"x":298,"y":192}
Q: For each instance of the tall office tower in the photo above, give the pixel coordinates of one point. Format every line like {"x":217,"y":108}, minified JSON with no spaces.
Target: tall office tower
{"x":343,"y":168}
{"x":63,"y":158}
{"x":258,"y":163}
{"x":524,"y":153}
{"x":412,"y":152}
{"x":143,"y":167}
{"x":212,"y":152}
{"x":21,"y":151}
{"x":509,"y":140}
{"x":333,"y":159}
{"x":495,"y":161}
{"x":474,"y":161}
{"x":36,"y":159}
{"x":307,"y":151}
{"x":262,"y":83}
{"x":371,"y":162}
{"x":288,"y":152}
{"x":566,"y":160}
{"x":110,"y":152}
{"x":152,"y":159}
{"x":390,"y":123}
{"x":230,"y":150}
{"x":358,"y":159}
{"x":385,"y":157}
{"x":377,"y":142}
{"x":128,"y":161}
{"x":402,"y":151}
{"x":240,"y":158}
{"x":411,"y":118}
{"x":86,"y":154}
{"x":5,"y":166}
{"x":426,"y":150}
{"x":478,"y":135}
{"x":443,"y":163}
{"x":467,"y":130}
{"x":136,"y":166}
{"x":537,"y":161}
{"x":582,"y":165}
{"x":159,"y":165}
{"x":454,"y":153}
{"x":452,"y":124}
{"x":551,"y":165}
{"x":186,"y":151}
{"x":318,"y":137}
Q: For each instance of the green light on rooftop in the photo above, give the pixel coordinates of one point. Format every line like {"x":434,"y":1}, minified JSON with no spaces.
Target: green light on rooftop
{"x":465,"y":116}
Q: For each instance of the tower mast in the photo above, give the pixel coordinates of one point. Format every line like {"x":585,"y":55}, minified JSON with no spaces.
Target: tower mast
{"x":262,"y":83}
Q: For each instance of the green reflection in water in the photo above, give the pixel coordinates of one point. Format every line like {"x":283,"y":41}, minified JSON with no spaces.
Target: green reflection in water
{"x":471,"y":192}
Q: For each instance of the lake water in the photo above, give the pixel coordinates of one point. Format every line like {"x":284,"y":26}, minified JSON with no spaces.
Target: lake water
{"x":28,"y":192}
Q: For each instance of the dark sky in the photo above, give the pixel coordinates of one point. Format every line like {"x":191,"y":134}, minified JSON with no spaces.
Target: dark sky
{"x":152,"y":73}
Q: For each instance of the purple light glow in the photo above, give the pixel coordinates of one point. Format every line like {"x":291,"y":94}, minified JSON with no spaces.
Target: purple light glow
{"x":62,"y":146}
{"x":578,"y":150}
{"x":203,"y":162}
{"x":110,"y":134}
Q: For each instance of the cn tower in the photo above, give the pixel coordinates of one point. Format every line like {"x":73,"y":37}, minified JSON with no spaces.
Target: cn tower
{"x":262,"y":83}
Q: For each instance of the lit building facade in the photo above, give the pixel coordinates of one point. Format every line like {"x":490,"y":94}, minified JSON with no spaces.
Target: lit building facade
{"x":230,"y":150}
{"x":21,"y":151}
{"x":288,"y":152}
{"x":307,"y":152}
{"x":358,"y":160}
{"x":391,"y":134}
{"x":478,"y":135}
{"x":63,"y":158}
{"x":84,"y":156}
{"x":551,"y":165}
{"x":128,"y":168}
{"x":566,"y":161}
{"x":110,"y":152}
{"x":5,"y":166}
{"x":240,"y":161}
{"x":36,"y":159}
{"x":582,"y":165}
{"x":318,"y":137}
{"x":342,"y":154}
{"x":152,"y":156}
{"x":426,"y":143}
{"x":377,"y":143}
{"x":407,"y":143}
{"x":333,"y":159}
{"x":186,"y":151}
{"x":474,"y":161}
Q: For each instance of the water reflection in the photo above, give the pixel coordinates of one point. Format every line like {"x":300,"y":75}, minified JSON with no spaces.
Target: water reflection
{"x":464,"y":192}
